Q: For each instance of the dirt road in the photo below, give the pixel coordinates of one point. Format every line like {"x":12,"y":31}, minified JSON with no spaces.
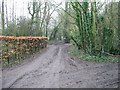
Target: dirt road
{"x":56,"y":69}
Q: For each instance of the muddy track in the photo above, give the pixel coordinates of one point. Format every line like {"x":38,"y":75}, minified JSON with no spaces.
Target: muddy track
{"x":56,"y":69}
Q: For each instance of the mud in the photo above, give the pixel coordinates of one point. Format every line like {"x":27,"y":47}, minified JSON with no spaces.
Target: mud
{"x":56,"y":69}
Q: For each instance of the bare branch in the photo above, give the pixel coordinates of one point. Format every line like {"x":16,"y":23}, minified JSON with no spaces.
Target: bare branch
{"x":29,"y":9}
{"x":55,"y":8}
{"x":69,"y":13}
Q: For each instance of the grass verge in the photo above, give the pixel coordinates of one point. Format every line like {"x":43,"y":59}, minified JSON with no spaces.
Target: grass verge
{"x":83,"y":56}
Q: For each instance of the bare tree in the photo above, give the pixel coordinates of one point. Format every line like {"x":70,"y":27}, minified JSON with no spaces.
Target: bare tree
{"x":3,"y":22}
{"x":32,"y":11}
{"x":6,"y":13}
{"x":49,"y":15}
{"x":43,"y":13}
{"x":13,"y":11}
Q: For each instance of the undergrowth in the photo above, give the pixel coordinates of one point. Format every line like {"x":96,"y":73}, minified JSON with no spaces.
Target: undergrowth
{"x":83,"y":56}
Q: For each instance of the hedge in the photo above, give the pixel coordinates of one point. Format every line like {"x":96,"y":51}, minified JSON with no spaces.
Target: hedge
{"x":14,"y":49}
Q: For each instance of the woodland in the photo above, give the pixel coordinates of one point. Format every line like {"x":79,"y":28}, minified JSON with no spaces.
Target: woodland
{"x":91,"y":27}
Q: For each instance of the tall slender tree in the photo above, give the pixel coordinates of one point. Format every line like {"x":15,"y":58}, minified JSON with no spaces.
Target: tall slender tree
{"x":2,"y":16}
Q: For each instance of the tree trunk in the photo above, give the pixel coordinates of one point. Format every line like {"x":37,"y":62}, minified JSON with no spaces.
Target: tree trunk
{"x":6,"y":14}
{"x":3,"y":22}
{"x":65,"y":33}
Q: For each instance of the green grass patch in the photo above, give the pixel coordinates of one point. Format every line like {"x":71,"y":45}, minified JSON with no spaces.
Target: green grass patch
{"x":83,"y":56}
{"x":51,"y":41}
